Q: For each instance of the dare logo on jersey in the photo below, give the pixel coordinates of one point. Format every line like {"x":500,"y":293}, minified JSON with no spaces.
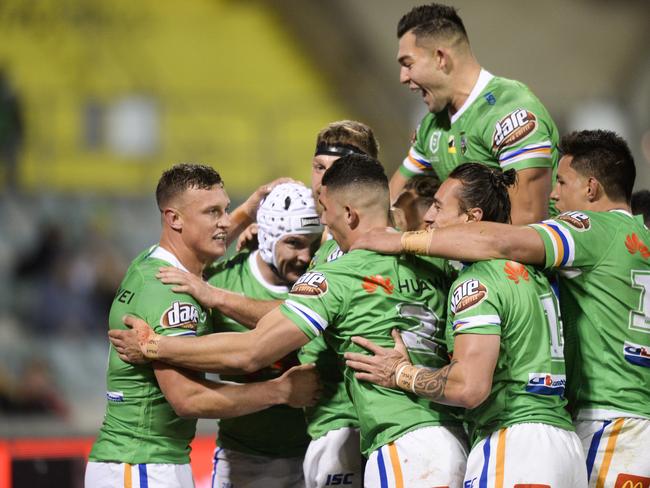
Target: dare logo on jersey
{"x":546,"y":384}
{"x":624,"y":480}
{"x":637,"y":354}
{"x":513,"y":128}
{"x":468,"y":294}
{"x":310,"y":284}
{"x":180,"y":315}
{"x":577,"y":220}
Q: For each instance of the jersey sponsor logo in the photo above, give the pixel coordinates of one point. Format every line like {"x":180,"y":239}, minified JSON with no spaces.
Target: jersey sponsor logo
{"x":577,"y":220}
{"x":467,"y":295}
{"x":180,"y":315}
{"x":371,"y":283}
{"x":416,"y":286}
{"x":334,"y":255}
{"x":310,"y":284}
{"x":516,"y":271}
{"x":634,"y":245}
{"x":546,"y":384}
{"x":451,"y":145}
{"x":463,"y":143}
{"x":336,"y":479}
{"x":636,"y":354}
{"x":115,"y":396}
{"x":625,"y":480}
{"x":513,"y":128}
{"x":124,"y":296}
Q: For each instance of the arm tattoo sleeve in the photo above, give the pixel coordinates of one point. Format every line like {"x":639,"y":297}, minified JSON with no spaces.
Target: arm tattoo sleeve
{"x":431,"y":384}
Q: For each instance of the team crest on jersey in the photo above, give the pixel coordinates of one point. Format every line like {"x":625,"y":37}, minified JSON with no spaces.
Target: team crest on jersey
{"x":634,"y":245}
{"x":513,"y":128}
{"x":451,"y":145}
{"x":434,"y":141}
{"x":463,"y":143}
{"x":516,"y":271}
{"x":467,"y":295}
{"x":546,"y":384}
{"x":637,"y":354}
{"x":371,"y":283}
{"x":624,"y":480}
{"x":577,"y":220}
{"x":310,"y":284}
{"x":180,"y":315}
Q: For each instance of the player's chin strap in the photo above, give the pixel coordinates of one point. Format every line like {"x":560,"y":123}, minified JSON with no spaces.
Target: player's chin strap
{"x":339,"y":149}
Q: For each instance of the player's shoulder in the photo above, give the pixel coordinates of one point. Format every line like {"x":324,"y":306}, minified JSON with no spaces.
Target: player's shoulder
{"x":503,"y":91}
{"x":228,"y":266}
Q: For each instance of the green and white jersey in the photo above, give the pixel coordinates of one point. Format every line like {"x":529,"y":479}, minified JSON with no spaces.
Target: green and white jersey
{"x":334,"y":409}
{"x":502,"y":125}
{"x":140,"y":426}
{"x":604,"y":273}
{"x":363,"y":293}
{"x":279,"y":431}
{"x":515,"y":302}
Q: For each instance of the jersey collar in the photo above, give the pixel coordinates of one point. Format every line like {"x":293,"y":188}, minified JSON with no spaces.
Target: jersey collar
{"x":165,"y":255}
{"x":620,"y":210}
{"x":257,"y":273}
{"x":484,"y":78}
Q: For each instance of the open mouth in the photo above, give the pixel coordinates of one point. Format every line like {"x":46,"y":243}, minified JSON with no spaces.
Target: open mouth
{"x":221,"y":236}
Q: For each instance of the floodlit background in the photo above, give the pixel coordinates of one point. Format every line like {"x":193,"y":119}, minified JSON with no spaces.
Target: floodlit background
{"x":98,"y":97}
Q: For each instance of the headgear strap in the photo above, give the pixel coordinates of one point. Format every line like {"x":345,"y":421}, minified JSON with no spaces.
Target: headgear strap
{"x":339,"y":149}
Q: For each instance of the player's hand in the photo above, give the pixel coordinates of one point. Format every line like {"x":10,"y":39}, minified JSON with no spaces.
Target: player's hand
{"x":253,"y":201}
{"x":248,"y":238}
{"x":385,"y":240}
{"x":379,"y":368}
{"x":136,"y":345}
{"x":206,"y":294}
{"x":301,"y":386}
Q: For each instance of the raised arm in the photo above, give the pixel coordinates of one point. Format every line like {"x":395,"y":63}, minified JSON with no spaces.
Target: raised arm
{"x":530,"y":196}
{"x":228,"y":352}
{"x":191,"y":396}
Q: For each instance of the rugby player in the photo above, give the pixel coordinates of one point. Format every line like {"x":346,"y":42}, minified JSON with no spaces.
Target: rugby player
{"x":507,"y":367}
{"x":601,"y":254}
{"x":264,"y":448}
{"x":409,"y":441}
{"x":412,"y":203}
{"x":474,"y":116}
{"x":144,"y":439}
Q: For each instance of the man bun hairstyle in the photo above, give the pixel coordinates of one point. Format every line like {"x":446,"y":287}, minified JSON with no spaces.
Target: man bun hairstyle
{"x":485,"y":188}
{"x":604,"y":155}
{"x":184,"y":176}
{"x":432,"y":20}
{"x":355,"y":169}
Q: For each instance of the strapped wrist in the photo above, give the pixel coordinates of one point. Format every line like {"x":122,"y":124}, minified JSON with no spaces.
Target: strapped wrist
{"x":417,"y":242}
{"x":405,"y":376}
{"x":151,"y":348}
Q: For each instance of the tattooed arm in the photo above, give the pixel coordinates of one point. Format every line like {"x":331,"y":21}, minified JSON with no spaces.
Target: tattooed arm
{"x":465,"y":382}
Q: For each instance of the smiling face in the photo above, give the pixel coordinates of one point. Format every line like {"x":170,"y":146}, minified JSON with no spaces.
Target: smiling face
{"x":205,"y":221}
{"x":446,"y":209}
{"x":293,"y":253}
{"x":421,"y":70}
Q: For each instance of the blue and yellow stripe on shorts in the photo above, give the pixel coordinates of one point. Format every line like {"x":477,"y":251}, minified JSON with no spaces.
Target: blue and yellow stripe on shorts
{"x":612,"y":437}
{"x":393,"y":458}
{"x":561,"y":241}
{"x":500,"y":454}
{"x":142,"y":472}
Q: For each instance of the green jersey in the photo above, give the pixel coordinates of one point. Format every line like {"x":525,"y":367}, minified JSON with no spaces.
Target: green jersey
{"x":334,"y":409}
{"x":604,"y":274}
{"x":502,"y":125}
{"x":515,"y":302}
{"x":363,"y":293}
{"x":279,"y":431}
{"x":140,"y":426}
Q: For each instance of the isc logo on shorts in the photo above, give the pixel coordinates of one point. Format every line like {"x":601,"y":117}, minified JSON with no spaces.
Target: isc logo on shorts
{"x":546,"y":384}
{"x":468,"y":294}
{"x":183,"y":315}
{"x":514,"y":127}
{"x":637,"y":354}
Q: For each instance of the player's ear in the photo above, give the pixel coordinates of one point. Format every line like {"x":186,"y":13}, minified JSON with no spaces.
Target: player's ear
{"x":475,"y":214}
{"x":173,"y":218}
{"x":594,"y":189}
{"x":351,"y":217}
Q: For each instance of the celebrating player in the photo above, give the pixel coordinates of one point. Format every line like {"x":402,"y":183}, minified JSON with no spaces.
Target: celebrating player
{"x":507,"y":367}
{"x":410,"y":441}
{"x":601,"y":254}
{"x":144,"y":438}
{"x":474,"y":116}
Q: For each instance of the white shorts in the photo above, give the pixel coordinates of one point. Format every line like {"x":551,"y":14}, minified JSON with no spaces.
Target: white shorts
{"x":117,"y":475}
{"x":232,"y":469}
{"x":617,"y":451}
{"x":334,"y":459}
{"x":426,"y":457}
{"x":526,"y":455}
